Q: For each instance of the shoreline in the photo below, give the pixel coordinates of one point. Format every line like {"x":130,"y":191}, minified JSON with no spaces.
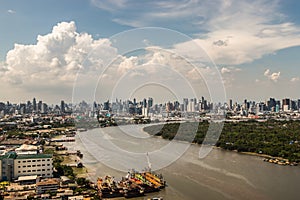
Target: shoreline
{"x":267,"y":158}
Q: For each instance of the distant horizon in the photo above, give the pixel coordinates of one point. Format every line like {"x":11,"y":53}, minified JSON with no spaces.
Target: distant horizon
{"x":140,"y":100}
{"x":169,"y":49}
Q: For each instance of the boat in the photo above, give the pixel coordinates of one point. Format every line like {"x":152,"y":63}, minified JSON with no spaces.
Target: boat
{"x":108,"y":188}
{"x":134,"y":184}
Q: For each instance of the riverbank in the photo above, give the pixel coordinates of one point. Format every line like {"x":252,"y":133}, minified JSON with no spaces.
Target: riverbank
{"x":271,"y":140}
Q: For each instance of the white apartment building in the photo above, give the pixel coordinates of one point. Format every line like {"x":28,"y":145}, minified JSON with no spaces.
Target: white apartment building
{"x":34,"y":164}
{"x":12,"y":165}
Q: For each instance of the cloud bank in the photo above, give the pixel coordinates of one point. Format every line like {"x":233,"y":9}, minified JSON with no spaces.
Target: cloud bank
{"x":231,"y":32}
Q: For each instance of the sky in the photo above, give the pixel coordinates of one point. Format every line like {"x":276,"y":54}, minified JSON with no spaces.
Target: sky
{"x":107,"y":49}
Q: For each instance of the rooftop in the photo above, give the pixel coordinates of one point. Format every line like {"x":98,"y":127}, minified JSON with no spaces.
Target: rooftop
{"x":8,"y":155}
{"x":47,"y":182}
{"x":32,"y":156}
{"x":27,"y":178}
{"x":26,"y":147}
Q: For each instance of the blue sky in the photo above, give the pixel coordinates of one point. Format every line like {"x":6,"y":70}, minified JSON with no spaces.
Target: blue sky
{"x":254,"y":44}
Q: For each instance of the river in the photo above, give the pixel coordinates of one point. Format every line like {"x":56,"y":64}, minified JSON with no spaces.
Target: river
{"x":220,"y":175}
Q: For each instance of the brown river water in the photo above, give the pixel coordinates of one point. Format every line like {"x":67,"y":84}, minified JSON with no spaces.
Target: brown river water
{"x":220,"y":175}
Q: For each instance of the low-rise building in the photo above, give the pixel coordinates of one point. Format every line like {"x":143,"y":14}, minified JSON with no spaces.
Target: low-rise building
{"x":35,"y":164}
{"x":46,"y":186}
{"x":27,"y":149}
{"x":13,"y":165}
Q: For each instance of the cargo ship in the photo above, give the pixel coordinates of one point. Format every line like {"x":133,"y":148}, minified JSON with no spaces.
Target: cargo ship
{"x":134,"y":184}
{"x":108,"y":188}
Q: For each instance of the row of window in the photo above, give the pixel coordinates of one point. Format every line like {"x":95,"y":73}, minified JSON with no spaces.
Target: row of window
{"x":43,"y":174}
{"x":24,"y":171}
{"x":34,"y":165}
{"x":40,"y":160}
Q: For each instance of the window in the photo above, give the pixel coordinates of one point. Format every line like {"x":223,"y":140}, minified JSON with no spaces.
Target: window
{"x":38,"y":165}
{"x":48,"y":159}
{"x":48,"y":164}
{"x":43,"y":164}
{"x":28,"y":161}
{"x":19,"y":171}
{"x":28,"y":170}
{"x":24,"y":171}
{"x":38,"y":160}
{"x":33,"y":165}
{"x":43,"y":160}
{"x":19,"y":161}
{"x":38,"y":170}
{"x":29,"y":166}
{"x":33,"y":160}
{"x":19,"y":166}
{"x":34,"y":170}
{"x":43,"y":169}
{"x":24,"y":161}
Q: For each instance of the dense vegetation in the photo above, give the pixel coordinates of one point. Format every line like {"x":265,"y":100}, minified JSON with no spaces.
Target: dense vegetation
{"x":274,"y":138}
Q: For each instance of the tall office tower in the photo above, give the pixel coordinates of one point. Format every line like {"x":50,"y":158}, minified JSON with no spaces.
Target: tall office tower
{"x":106,"y":105}
{"x":246,"y":107}
{"x":39,"y":106}
{"x":176,"y":105}
{"x":293,"y":105}
{"x":271,"y":104}
{"x":169,"y":107}
{"x":286,"y":104}
{"x":191,"y":106}
{"x":145,"y":103}
{"x":44,"y":108}
{"x":34,"y":105}
{"x":150,"y":102}
{"x":185,"y":104}
{"x":62,"y":106}
{"x":230,"y":104}
{"x":22,"y":108}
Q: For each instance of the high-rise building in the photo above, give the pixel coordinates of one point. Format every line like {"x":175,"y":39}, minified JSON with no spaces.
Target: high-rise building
{"x":150,"y":102}
{"x":230,"y":104}
{"x":191,"y":106}
{"x":44,"y":108}
{"x":106,"y":105}
{"x":34,"y":105}
{"x":271,"y":104}
{"x":39,"y":106}
{"x":62,"y":106}
{"x":286,"y":104}
{"x":185,"y":104}
{"x":144,"y":103}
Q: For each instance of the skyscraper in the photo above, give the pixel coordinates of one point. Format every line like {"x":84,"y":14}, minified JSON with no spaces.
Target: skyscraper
{"x":230,"y":104}
{"x":34,"y":104}
{"x":62,"y":106}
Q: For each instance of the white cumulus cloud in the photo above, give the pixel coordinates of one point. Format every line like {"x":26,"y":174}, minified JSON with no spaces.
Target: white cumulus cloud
{"x":272,"y":76}
{"x":55,"y":59}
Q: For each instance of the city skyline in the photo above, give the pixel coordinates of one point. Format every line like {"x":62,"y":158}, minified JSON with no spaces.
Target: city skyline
{"x":57,"y":53}
{"x":148,"y":105}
